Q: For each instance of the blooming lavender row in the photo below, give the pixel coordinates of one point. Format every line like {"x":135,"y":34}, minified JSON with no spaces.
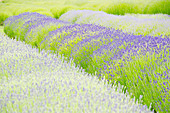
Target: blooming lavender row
{"x":12,"y":24}
{"x":68,"y":36}
{"x":38,"y":32}
{"x":146,"y":26}
{"x":75,"y":39}
{"x":104,"y":51}
{"x":31,"y":27}
{"x":42,"y":82}
{"x":71,"y":41}
{"x":154,"y":55}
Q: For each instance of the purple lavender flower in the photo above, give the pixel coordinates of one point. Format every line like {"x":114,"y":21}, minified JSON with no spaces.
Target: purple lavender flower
{"x":12,"y":23}
{"x":63,"y":35}
{"x":28,"y":25}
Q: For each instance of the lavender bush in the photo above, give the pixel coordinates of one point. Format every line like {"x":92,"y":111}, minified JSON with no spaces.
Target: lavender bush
{"x":137,"y":25}
{"x":41,"y":82}
{"x":31,"y":27}
{"x":38,"y":32}
{"x":13,"y":23}
{"x":124,"y":66}
{"x":68,"y":36}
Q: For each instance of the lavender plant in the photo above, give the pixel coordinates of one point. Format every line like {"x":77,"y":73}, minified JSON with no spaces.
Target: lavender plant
{"x":29,"y":24}
{"x":31,"y":27}
{"x":137,"y":25}
{"x":41,"y":82}
{"x":68,"y":36}
{"x":153,"y":60}
{"x":148,"y":75}
{"x":39,"y":31}
{"x":13,"y":23}
{"x":82,"y":51}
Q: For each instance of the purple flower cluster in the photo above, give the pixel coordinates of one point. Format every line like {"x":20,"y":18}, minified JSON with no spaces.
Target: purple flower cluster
{"x":32,"y":22}
{"x":65,"y":34}
{"x":132,"y":46}
{"x":39,"y":31}
{"x":12,"y":24}
{"x":30,"y":26}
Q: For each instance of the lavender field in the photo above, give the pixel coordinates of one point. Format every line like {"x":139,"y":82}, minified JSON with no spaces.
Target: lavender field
{"x":83,"y":60}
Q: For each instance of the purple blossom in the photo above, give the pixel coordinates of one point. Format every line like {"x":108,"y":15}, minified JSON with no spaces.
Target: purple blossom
{"x":12,"y":23}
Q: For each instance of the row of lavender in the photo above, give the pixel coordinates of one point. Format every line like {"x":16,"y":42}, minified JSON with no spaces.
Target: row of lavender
{"x":153,"y":25}
{"x":42,"y":82}
{"x":137,"y":62}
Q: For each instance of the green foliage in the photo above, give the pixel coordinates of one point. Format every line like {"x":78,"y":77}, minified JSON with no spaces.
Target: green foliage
{"x":161,"y":6}
{"x":4,"y":15}
{"x":119,"y":8}
{"x":57,"y":11}
{"x":57,"y":8}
